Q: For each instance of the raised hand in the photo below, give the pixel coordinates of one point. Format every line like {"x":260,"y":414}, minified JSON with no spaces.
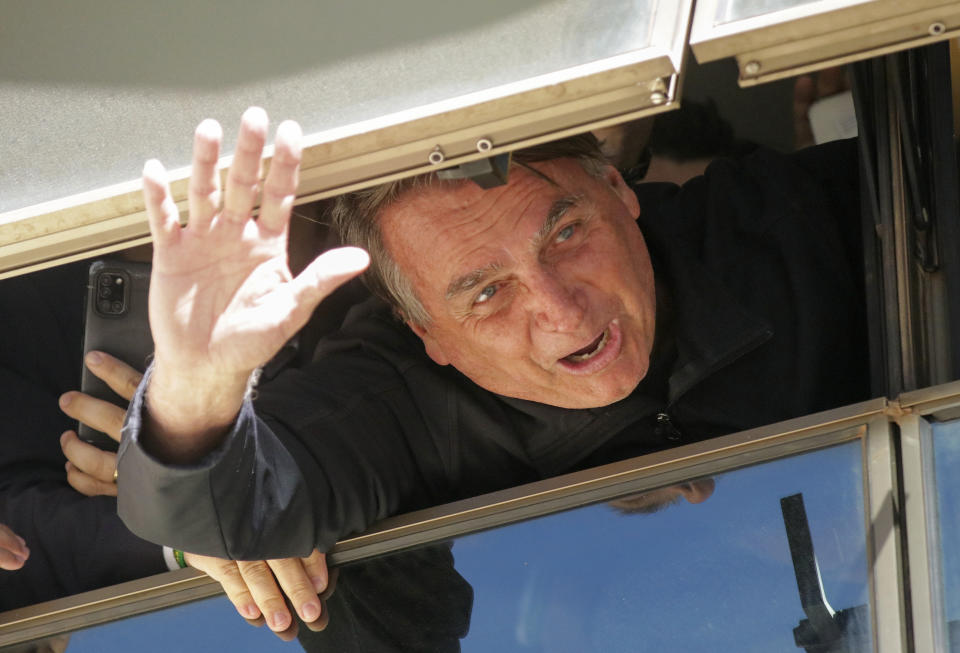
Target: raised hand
{"x":257,"y":589}
{"x":90,"y":470}
{"x":222,"y":299}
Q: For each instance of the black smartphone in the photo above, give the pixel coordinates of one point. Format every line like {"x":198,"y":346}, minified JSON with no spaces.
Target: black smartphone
{"x":117,"y":323}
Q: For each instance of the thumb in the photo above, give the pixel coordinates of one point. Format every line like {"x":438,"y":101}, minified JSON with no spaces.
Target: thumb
{"x":325,"y":274}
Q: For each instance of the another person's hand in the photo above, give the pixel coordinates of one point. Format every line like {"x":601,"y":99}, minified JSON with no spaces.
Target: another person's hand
{"x":90,"y":470}
{"x":13,"y":550}
{"x":257,"y":589}
{"x":222,"y":298}
{"x":807,"y":89}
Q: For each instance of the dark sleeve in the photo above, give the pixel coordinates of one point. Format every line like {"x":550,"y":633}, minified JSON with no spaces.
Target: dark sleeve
{"x":781,"y":232}
{"x":332,"y":458}
{"x":41,"y":329}
{"x":77,"y":544}
{"x":414,"y":601}
{"x":835,"y":168}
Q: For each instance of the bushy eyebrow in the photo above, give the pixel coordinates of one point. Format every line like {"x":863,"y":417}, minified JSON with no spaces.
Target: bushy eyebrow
{"x":474,"y":278}
{"x":470,"y":280}
{"x":557,"y":210}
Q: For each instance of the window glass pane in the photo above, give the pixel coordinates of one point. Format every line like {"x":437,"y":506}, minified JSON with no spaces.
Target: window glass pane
{"x":89,"y":91}
{"x":946,"y":451}
{"x":711,"y":572}
{"x":729,"y":11}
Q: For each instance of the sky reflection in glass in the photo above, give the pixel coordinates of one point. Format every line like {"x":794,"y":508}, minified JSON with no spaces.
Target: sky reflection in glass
{"x":706,"y":577}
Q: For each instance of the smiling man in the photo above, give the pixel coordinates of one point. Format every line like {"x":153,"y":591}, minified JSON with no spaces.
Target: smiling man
{"x":557,"y":322}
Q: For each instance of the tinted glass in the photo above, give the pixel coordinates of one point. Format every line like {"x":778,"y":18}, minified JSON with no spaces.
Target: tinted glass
{"x":712,"y":572}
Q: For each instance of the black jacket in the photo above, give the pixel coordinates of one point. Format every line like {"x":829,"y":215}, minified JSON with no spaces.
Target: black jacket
{"x":77,"y":543}
{"x":761,"y":321}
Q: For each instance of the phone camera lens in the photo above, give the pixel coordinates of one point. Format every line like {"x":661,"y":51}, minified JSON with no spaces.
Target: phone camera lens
{"x":105,"y":279}
{"x":104,"y":305}
{"x":104,"y":292}
{"x":117,"y":307}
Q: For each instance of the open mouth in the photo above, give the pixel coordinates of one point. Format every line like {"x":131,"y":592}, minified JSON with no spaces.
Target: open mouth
{"x":590,"y":350}
{"x":597,"y":355}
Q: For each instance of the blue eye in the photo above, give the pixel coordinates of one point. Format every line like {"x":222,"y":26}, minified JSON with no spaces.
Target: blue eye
{"x":485,"y":294}
{"x":566,"y":233}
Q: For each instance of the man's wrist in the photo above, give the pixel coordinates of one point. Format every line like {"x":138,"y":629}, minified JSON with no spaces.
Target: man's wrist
{"x":186,"y":418}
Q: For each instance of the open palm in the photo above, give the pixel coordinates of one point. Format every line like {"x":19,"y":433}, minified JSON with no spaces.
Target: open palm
{"x":222,"y":299}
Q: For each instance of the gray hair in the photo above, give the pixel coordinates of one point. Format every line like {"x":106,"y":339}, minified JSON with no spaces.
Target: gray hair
{"x":356,"y":216}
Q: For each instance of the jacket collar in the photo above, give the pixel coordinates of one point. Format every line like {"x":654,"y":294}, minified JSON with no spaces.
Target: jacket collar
{"x":708,"y":326}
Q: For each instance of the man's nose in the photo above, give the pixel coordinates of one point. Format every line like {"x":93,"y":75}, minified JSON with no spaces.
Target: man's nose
{"x":557,"y":304}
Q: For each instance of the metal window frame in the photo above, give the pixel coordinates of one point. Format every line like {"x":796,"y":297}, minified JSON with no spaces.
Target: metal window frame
{"x":820,"y":34}
{"x":866,"y":422}
{"x":920,"y":408}
{"x":636,"y":84}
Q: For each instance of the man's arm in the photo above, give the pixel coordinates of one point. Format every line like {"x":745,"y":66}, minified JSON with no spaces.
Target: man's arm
{"x":222,"y":299}
{"x":255,"y":588}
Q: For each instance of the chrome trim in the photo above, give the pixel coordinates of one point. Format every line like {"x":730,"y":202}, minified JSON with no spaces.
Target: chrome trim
{"x":819,"y":35}
{"x":921,"y":521}
{"x":536,"y":499}
{"x":928,"y":401}
{"x":881,"y":501}
{"x":600,"y":483}
{"x":103,"y":605}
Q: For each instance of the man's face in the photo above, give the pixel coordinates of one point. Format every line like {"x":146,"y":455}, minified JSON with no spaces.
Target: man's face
{"x":536,"y":290}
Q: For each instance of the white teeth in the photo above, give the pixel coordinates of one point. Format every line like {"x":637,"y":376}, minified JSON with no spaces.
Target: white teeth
{"x":578,"y":358}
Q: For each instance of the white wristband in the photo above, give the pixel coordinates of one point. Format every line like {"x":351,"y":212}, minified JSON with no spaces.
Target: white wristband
{"x":169,"y":559}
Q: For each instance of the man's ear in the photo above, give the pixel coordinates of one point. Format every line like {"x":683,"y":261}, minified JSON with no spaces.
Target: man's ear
{"x":430,"y":344}
{"x":620,"y":188}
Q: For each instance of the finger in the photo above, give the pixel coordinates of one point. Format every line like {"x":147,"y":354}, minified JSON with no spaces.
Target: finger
{"x":322,"y":277}
{"x":280,"y":186}
{"x":96,"y":413}
{"x":87,"y":485}
{"x":831,"y":81}
{"x":289,"y":633}
{"x":227,"y":573}
{"x":243,"y":179}
{"x":804,"y":94}
{"x":121,"y":378}
{"x":323,"y":621}
{"x":89,"y":460}
{"x":13,"y":549}
{"x":204,"y":189}
{"x":266,"y":594}
{"x":298,"y":586}
{"x":316,"y":568}
{"x":331,"y":584}
{"x":10,"y":561}
{"x":13,"y":542}
{"x":161,"y":209}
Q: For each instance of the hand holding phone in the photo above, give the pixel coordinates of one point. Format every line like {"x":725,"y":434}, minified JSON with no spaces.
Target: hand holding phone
{"x":90,"y":470}
{"x":117,"y":323}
